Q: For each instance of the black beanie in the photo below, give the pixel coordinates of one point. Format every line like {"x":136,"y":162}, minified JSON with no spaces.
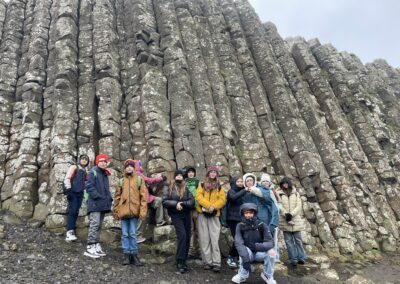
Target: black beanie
{"x":191,"y":169}
{"x":179,"y":172}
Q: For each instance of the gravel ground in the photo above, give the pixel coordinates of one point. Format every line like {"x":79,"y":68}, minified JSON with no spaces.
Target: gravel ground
{"x":34,"y":255}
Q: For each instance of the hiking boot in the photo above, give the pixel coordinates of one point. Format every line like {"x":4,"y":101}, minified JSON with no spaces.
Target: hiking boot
{"x":70,"y":236}
{"x":266,"y":279}
{"x":99,"y":250}
{"x":140,"y":240}
{"x":301,"y":262}
{"x":231,"y":262}
{"x":238,"y":279}
{"x":134,"y":259}
{"x":216,"y":269}
{"x":91,"y":251}
{"x":207,"y":267}
{"x":179,"y":267}
{"x":185,"y":266}
{"x":126,"y":259}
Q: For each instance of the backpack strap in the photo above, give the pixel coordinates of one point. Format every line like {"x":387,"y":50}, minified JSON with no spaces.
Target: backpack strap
{"x":94,"y":173}
{"x":139,"y":181}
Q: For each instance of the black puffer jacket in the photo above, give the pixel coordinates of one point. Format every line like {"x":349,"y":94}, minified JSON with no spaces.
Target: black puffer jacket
{"x":235,"y":195}
{"x":171,"y":198}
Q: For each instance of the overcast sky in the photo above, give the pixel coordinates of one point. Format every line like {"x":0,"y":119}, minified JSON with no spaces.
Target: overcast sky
{"x":368,"y":28}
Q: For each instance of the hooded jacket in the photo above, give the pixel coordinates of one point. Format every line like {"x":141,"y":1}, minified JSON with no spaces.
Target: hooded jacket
{"x":290,"y":203}
{"x":267,"y":209}
{"x":235,"y":200}
{"x":130,"y":201}
{"x":252,"y":233}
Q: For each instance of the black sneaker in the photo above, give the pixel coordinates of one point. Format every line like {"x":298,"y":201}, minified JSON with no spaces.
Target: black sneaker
{"x":217,"y":269}
{"x":301,"y":262}
{"x":207,"y":267}
{"x":126,"y":259}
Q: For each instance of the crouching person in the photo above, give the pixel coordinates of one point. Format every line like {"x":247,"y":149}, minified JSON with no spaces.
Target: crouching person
{"x":254,"y":244}
{"x":180,"y":202}
{"x":130,"y":204}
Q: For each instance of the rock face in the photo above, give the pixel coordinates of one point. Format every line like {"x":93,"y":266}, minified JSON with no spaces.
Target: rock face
{"x":196,"y":82}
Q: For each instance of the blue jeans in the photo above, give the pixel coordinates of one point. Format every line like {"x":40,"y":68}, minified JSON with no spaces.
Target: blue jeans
{"x":294,"y":246}
{"x":269,"y":263}
{"x":128,"y":237}
{"x":74,"y":204}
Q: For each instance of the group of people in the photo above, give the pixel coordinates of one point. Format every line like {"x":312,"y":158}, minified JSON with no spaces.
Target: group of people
{"x":253,"y":211}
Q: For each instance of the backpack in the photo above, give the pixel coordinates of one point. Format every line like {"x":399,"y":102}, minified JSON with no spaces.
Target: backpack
{"x":121,"y":181}
{"x":65,"y":191}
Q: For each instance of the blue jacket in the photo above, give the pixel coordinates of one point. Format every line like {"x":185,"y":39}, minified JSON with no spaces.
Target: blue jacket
{"x":98,"y":188}
{"x":268,"y":212}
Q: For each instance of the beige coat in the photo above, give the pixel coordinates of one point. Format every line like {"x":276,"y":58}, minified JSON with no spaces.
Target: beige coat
{"x":292,"y":204}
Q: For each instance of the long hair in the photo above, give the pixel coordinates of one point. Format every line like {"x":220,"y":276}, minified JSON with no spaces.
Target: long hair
{"x":210,"y":184}
{"x":179,"y":189}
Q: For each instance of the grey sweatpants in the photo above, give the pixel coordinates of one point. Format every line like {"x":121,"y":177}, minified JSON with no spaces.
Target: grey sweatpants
{"x":209,"y":230}
{"x":95,"y":222}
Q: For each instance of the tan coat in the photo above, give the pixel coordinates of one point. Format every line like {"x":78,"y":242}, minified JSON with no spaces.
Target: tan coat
{"x":291,"y":204}
{"x":130,"y":201}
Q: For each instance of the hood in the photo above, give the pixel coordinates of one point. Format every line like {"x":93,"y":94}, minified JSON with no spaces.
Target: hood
{"x":265,"y":177}
{"x":138,"y":166}
{"x":247,"y":206}
{"x":249,"y":175}
{"x":286,"y":180}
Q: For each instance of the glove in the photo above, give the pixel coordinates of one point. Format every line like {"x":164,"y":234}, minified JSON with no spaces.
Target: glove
{"x":85,"y":196}
{"x":164,"y":178}
{"x":246,"y":265}
{"x":288,"y":217}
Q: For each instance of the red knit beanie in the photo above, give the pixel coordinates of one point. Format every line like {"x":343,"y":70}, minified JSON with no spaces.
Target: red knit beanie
{"x":212,"y":168}
{"x":101,"y":156}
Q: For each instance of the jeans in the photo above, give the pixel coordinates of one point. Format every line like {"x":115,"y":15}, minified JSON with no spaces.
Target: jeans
{"x":269,"y":263}
{"x":182,"y":224}
{"x":74,"y":204}
{"x":95,"y":222}
{"x":294,"y":246}
{"x":128,"y":237}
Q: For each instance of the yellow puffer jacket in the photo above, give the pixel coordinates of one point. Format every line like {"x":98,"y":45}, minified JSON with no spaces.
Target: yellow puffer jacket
{"x":215,"y":197}
{"x":130,"y":201}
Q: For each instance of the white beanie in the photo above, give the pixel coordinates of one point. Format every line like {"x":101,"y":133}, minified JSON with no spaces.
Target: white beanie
{"x":265,"y":177}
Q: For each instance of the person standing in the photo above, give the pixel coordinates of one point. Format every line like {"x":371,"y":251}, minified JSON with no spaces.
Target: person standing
{"x":130,"y":204}
{"x":179,"y":202}
{"x":74,"y":183}
{"x":291,"y":221}
{"x":235,"y":196}
{"x":192,"y":182}
{"x":99,"y":203}
{"x":210,"y":197}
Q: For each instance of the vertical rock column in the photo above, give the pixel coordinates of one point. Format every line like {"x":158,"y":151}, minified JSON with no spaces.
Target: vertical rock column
{"x":153,"y":89}
{"x":10,"y":50}
{"x":188,"y":148}
{"x":211,"y":136}
{"x":64,"y":105}
{"x":249,"y":146}
{"x":281,"y":162}
{"x":3,"y":10}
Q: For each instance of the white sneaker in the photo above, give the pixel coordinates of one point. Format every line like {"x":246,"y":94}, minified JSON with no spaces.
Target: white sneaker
{"x":238,"y":279}
{"x":91,"y":251}
{"x":99,"y":250}
{"x":267,"y":280}
{"x":140,"y":240}
{"x":70,"y":236}
{"x":231,"y":262}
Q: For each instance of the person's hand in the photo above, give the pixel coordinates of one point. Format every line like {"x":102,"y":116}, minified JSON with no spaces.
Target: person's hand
{"x":116,"y":218}
{"x":246,"y":265}
{"x":211,"y":208}
{"x":179,"y":206}
{"x":272,"y":252}
{"x":291,"y":223}
{"x":247,"y":189}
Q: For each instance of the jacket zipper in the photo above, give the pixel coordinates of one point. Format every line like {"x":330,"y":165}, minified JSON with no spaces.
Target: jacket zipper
{"x":289,"y":206}
{"x":129,"y":195}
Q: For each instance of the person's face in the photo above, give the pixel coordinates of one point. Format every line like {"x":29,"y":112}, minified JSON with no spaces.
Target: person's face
{"x":83,"y":162}
{"x":190,"y":174}
{"x":179,"y":177}
{"x":248,"y":214}
{"x":265,"y":183}
{"x":239,"y":182}
{"x":285,"y":185}
{"x":249,"y":182}
{"x":102,"y":164}
{"x":130,"y":168}
{"x":212,"y":174}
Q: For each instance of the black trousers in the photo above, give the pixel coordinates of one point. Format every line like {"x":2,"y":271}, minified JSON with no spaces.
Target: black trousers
{"x":232,"y":226}
{"x":182,"y":224}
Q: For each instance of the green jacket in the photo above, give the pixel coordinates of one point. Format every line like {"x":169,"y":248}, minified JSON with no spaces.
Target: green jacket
{"x":192,"y":184}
